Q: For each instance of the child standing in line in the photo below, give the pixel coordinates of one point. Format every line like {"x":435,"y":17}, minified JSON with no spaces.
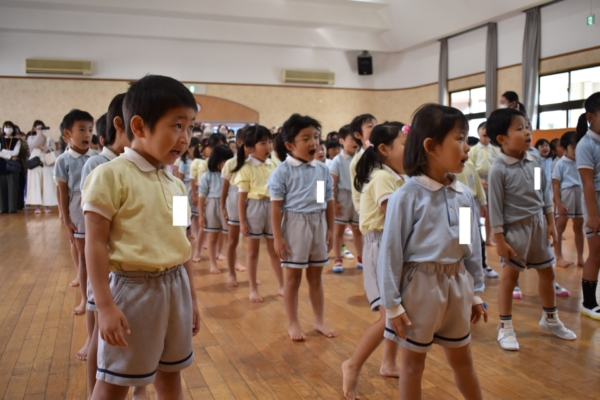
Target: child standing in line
{"x":360,"y":128}
{"x":588,"y":165}
{"x":543,"y":147}
{"x":183,"y":173}
{"x":302,"y":214}
{"x":322,"y":153}
{"x":345,"y":213}
{"x":568,"y":198}
{"x":425,"y":276}
{"x":333,"y":148}
{"x":128,"y":206}
{"x":209,"y":203}
{"x":229,"y":209}
{"x":378,"y":176}
{"x":522,"y":220}
{"x":254,"y":206}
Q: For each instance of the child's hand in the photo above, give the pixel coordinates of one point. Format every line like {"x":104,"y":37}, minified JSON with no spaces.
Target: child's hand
{"x":504,"y":250}
{"x":484,"y":184}
{"x":593,"y":223}
{"x":477,"y":312}
{"x":552,"y":237}
{"x":224,"y":214}
{"x":111,"y":324}
{"x":202,"y":221}
{"x":398,"y":322}
{"x":195,"y":318}
{"x":329,"y":239}
{"x":71,"y":228}
{"x":483,"y":211}
{"x":562,"y":209}
{"x":244,"y":228}
{"x":195,"y":199}
{"x":281,"y":248}
{"x":338,"y":209}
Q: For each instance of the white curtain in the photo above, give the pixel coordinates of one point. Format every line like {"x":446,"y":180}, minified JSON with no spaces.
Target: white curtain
{"x":531,"y":62}
{"x":491,"y":68}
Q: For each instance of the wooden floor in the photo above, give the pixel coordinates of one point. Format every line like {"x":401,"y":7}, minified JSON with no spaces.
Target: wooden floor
{"x":243,"y":351}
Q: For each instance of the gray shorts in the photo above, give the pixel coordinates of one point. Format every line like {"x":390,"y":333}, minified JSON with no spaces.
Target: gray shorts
{"x":158,"y":308}
{"x":349,"y":214}
{"x":370,"y":256}
{"x":529,"y":239}
{"x":258,"y":217}
{"x":438,"y":300}
{"x":214,"y":220}
{"x":233,"y":212}
{"x":190,"y":195}
{"x":91,"y":305}
{"x":306,"y":237}
{"x":588,"y":231}
{"x":572,"y":198}
{"x":76,"y":214}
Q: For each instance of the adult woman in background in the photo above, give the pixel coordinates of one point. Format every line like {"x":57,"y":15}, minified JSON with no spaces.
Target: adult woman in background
{"x":40,"y":183}
{"x":10,"y":168}
{"x":23,"y":157}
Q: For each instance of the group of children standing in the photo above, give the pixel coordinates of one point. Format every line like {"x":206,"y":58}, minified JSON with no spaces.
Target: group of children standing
{"x":397,"y":186}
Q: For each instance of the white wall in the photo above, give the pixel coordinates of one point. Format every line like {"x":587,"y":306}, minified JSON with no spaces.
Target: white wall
{"x":466,"y":53}
{"x":510,"y":40}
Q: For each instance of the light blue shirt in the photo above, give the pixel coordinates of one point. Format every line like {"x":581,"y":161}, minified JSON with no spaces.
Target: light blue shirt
{"x":184,"y":168}
{"x":210,"y":185}
{"x":422,"y":225}
{"x":105,"y":156}
{"x":340,"y":166}
{"x":588,"y":155}
{"x":565,"y":171}
{"x":68,"y":168}
{"x":547,"y":167}
{"x":295,"y":183}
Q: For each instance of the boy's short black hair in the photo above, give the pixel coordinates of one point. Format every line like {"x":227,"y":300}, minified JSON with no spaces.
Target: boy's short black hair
{"x":481,"y":125}
{"x":567,"y":139}
{"x":472,"y":141}
{"x":332,"y":144}
{"x":101,"y":127}
{"x":358,"y":122}
{"x":344,"y":132}
{"x":115,"y":109}
{"x":95,"y":140}
{"x":74,"y":116}
{"x":499,"y":122}
{"x":153,"y":96}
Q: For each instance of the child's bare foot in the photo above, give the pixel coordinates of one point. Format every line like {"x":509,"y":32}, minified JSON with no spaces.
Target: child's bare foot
{"x":295,"y":332}
{"x":221,"y":257}
{"x":83,"y":352}
{"x":350,"y":381}
{"x":140,"y":393}
{"x":214,"y":269}
{"x":239,"y":267}
{"x":490,"y":243}
{"x":255,"y":296}
{"x":196,"y":258}
{"x":259,"y":282}
{"x":80,"y":309}
{"x":391,"y":371}
{"x":561,"y":262}
{"x":326,"y":331}
{"x":232,"y":281}
{"x":74,"y":282}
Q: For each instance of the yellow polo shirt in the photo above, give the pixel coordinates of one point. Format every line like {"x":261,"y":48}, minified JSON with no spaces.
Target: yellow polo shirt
{"x":470,"y":177}
{"x":383,"y":182}
{"x":138,"y":200}
{"x":227,"y":171}
{"x":198,"y":168}
{"x":355,"y":193}
{"x":253,"y":177}
{"x":483,"y":157}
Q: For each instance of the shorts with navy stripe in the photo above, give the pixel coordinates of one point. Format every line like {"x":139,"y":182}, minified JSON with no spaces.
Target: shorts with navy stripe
{"x":306,"y":237}
{"x":231,"y":204}
{"x":258,"y":217}
{"x":213,"y":217}
{"x":91,"y":304}
{"x":572,"y":198}
{"x":588,"y":231}
{"x":158,"y":308}
{"x":529,"y":239}
{"x":349,"y":215}
{"x":76,"y":214}
{"x":438,"y":299}
{"x":370,"y":256}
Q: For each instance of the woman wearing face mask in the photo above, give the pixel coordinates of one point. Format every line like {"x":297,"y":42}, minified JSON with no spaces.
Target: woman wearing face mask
{"x":10,"y":168}
{"x":510,"y":99}
{"x":40,"y":183}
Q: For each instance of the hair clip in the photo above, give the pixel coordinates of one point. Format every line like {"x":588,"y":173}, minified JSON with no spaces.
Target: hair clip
{"x":406,"y":129}
{"x":368,"y":144}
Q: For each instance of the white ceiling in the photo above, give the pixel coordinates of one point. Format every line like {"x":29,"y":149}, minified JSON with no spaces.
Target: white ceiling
{"x":374,"y":25}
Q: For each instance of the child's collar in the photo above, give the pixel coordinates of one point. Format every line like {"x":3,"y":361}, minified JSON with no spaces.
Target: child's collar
{"x":345,"y":155}
{"x":511,"y":160}
{"x":567,"y":158}
{"x":294,"y":162}
{"x":256,"y":162}
{"x":434,"y":186}
{"x":108,"y":153}
{"x":75,"y":154}
{"x":142,"y":163}
{"x":391,"y":171}
{"x":593,"y":135}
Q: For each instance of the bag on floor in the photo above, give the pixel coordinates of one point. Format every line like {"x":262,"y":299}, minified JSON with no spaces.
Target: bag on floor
{"x":34,"y":162}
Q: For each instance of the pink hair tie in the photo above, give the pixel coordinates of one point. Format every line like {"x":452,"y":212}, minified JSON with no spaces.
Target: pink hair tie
{"x":368,"y":144}
{"x":406,"y":129}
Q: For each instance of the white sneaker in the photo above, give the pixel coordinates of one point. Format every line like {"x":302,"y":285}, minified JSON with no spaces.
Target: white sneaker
{"x":558,"y":328}
{"x":347,"y":255}
{"x":507,"y":338}
{"x":338,"y":267}
{"x":590,"y":312}
{"x":348,"y":232}
{"x":561,"y":291}
{"x":490,"y":273}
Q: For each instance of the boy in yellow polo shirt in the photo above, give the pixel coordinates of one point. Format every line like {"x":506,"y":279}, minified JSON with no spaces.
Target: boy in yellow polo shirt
{"x":147,"y":309}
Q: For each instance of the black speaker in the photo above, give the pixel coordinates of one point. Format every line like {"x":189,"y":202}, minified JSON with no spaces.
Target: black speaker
{"x":365,"y":63}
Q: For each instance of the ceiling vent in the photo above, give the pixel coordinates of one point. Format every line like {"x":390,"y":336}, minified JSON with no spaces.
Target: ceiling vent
{"x":37,"y":66}
{"x":318,"y":78}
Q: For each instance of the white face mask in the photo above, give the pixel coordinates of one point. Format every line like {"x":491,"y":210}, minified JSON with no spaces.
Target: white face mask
{"x":503,"y":105}
{"x":8,"y":131}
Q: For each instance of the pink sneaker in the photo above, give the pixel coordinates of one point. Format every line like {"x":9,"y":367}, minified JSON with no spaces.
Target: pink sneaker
{"x":517,"y":294}
{"x":561,"y":291}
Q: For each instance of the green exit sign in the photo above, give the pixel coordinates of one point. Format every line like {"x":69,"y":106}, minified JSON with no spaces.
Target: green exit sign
{"x":591,"y":19}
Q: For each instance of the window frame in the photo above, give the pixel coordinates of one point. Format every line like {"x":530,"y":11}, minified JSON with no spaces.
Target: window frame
{"x":471,"y":115}
{"x":565,"y":105}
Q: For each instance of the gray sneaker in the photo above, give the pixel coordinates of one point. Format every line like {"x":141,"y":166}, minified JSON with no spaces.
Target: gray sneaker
{"x":558,"y":328}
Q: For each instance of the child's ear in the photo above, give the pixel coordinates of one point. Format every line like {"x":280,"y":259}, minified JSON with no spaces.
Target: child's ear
{"x":383,"y":150}
{"x":118,"y":124}
{"x":357,"y":135}
{"x":289,"y":146}
{"x":429,"y":145}
{"x":501,"y":139}
{"x":137,"y":126}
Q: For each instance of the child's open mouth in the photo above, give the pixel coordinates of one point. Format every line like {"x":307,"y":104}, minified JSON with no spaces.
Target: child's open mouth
{"x":312,"y":152}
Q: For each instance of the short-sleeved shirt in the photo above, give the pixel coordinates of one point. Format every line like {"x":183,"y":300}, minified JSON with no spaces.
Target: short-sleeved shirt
{"x":355,"y":193}
{"x":197,"y":169}
{"x":483,"y":157}
{"x":227,"y":171}
{"x":470,"y":177}
{"x":184,"y":169}
{"x":587,"y":155}
{"x":68,"y":168}
{"x":253,"y":178}
{"x":383,"y":182}
{"x":565,"y":171}
{"x":295,"y":183}
{"x":105,"y":156}
{"x":340,"y":166}
{"x":210,"y":185}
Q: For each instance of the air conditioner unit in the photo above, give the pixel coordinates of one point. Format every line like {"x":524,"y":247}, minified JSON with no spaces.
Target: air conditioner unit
{"x":319,"y":78}
{"x":37,"y":66}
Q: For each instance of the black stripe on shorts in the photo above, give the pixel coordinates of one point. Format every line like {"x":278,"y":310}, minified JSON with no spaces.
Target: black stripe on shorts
{"x":409,"y":340}
{"x":106,"y":371}
{"x":452,"y":340}
{"x":177,"y":362}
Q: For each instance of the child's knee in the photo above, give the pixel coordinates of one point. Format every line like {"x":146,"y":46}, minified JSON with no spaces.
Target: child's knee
{"x":546,"y":273}
{"x":414,"y":366}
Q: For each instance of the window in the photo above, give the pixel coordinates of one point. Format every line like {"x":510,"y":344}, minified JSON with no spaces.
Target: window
{"x":472,"y":103}
{"x":562,"y":96}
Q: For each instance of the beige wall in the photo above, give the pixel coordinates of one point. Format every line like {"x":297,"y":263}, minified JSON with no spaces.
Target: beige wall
{"x":25,"y":99}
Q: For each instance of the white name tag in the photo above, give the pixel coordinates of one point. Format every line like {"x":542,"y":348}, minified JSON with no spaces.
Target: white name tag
{"x":320,"y":191}
{"x":464,"y":225}
{"x":180,"y":217}
{"x":537,"y":178}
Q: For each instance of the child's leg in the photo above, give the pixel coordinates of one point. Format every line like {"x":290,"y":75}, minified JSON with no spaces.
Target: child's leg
{"x":220,"y":242}
{"x":213,"y":238}
{"x":92,"y":359}
{"x":506,"y":334}
{"x":107,"y":391}
{"x":550,"y":320}
{"x":465,"y":376}
{"x":317,"y":300}
{"x":168,"y":385}
{"x":561,"y":224}
{"x":412,"y":365}
{"x":276,"y":265}
{"x":488,"y":233}
{"x":195,"y":226}
{"x":546,"y":287}
{"x":338,"y":241}
{"x":75,"y":258}
{"x":199,"y":242}
{"x":589,"y":277}
{"x":293,"y":278}
{"x":578,"y":231}
{"x":252,"y":262}
{"x":140,"y":393}
{"x":358,"y":243}
{"x":80,"y":309}
{"x":233,"y":239}
{"x":82,"y":354}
